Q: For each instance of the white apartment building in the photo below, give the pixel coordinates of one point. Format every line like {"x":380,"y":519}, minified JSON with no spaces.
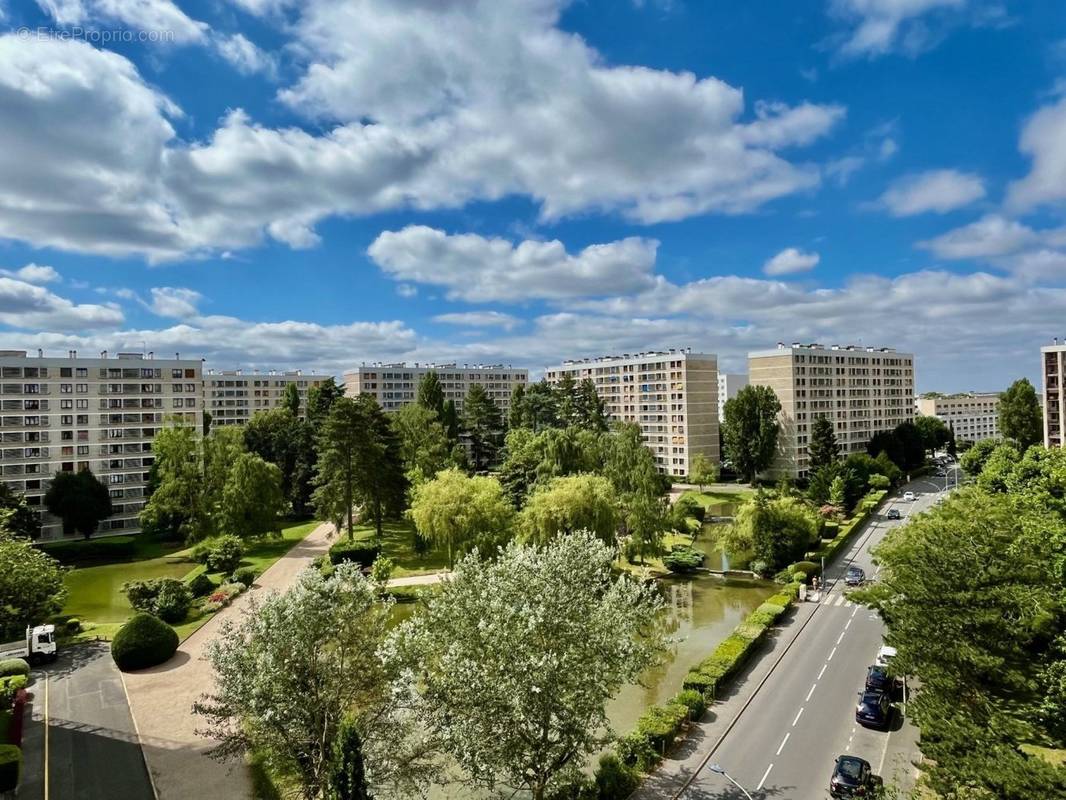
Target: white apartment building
{"x":396,"y":385}
{"x":672,"y":396}
{"x":862,"y":390}
{"x":233,"y":397}
{"x":1053,"y":367}
{"x":728,"y":386}
{"x":972,"y":415}
{"x":66,"y":414}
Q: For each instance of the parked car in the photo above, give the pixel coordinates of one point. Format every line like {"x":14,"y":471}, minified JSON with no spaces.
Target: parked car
{"x":885,"y":656}
{"x":878,"y":679}
{"x":893,"y":513}
{"x":874,"y":709}
{"x":910,"y":496}
{"x":854,"y":576}
{"x":852,"y":777}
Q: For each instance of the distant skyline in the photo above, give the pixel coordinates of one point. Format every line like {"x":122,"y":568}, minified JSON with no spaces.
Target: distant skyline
{"x":277,"y":184}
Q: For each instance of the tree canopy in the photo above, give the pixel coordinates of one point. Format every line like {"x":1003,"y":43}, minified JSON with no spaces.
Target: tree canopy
{"x":31,"y":585}
{"x":1020,"y":417}
{"x":483,"y":426}
{"x":252,"y":499}
{"x":567,"y":504}
{"x":823,"y":449}
{"x":79,"y":500}
{"x":750,"y":430}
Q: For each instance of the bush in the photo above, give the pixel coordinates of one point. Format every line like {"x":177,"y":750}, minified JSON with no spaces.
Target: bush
{"x":634,"y":750}
{"x":781,"y":599}
{"x":807,"y":567}
{"x":167,"y":598}
{"x":760,"y":567}
{"x":660,"y":725}
{"x":683,"y":558}
{"x":771,"y":608}
{"x":245,"y":575}
{"x":799,"y":577}
{"x":10,"y":767}
{"x":614,"y":779}
{"x":9,"y":687}
{"x":210,"y":606}
{"x":749,"y":630}
{"x":201,"y":584}
{"x":579,"y":788}
{"x":363,"y":553}
{"x":694,"y":701}
{"x":14,"y":666}
{"x":696,"y":681}
{"x":225,"y":555}
{"x":73,"y":626}
{"x":200,"y":553}
{"x":764,"y":618}
{"x":143,"y":642}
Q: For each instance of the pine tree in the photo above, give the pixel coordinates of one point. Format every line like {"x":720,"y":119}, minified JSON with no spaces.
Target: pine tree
{"x":483,"y":426}
{"x":567,"y":402}
{"x":517,"y":412}
{"x":431,"y":394}
{"x":592,"y":411}
{"x":292,"y":399}
{"x":823,"y":448}
{"x":347,"y":773}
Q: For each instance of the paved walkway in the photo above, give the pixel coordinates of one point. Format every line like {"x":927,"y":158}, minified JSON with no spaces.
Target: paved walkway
{"x":161,"y":698}
{"x":419,"y":580}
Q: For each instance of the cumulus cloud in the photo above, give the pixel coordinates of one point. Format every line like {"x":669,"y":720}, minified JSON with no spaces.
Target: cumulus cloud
{"x":789,"y":261}
{"x":33,"y":273}
{"x":25,"y":305}
{"x":479,"y":269}
{"x":159,"y":16}
{"x":1044,"y":141}
{"x":939,"y":191}
{"x":479,"y":319}
{"x":170,"y":301}
{"x":245,"y":56}
{"x":1008,"y":244}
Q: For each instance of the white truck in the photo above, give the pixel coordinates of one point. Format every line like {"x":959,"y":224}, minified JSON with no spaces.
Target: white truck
{"x":38,"y":646}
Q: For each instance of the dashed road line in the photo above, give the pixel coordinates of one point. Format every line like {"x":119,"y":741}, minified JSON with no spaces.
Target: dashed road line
{"x":820,"y":674}
{"x":813,"y":687}
{"x":798,"y":715}
{"x":840,"y":638}
{"x":848,"y":623}
{"x":833,"y":653}
{"x":783,"y":742}
{"x":765,"y":775}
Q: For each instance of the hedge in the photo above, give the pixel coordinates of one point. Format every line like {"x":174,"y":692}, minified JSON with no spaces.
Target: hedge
{"x":83,"y":551}
{"x":361,"y":552}
{"x":144,"y":641}
{"x":863,"y":511}
{"x":14,"y":666}
{"x":9,"y":688}
{"x":615,"y":780}
{"x":10,"y":767}
{"x":661,"y":724}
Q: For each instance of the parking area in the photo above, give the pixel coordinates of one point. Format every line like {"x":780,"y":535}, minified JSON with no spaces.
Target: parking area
{"x":79,"y":737}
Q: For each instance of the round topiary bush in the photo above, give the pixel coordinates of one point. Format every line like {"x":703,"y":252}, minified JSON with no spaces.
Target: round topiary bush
{"x":143,"y":642}
{"x":245,"y":575}
{"x":14,"y":666}
{"x":73,"y":626}
{"x":201,"y":585}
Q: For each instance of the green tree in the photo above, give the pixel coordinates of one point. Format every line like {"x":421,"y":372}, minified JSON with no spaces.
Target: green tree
{"x":280,"y":438}
{"x":424,"y":446}
{"x":16,"y":515}
{"x":79,"y":500}
{"x":1020,"y":417}
{"x":750,"y":430}
{"x":431,"y":393}
{"x":252,"y":499}
{"x":836,"y":492}
{"x":645,"y":518}
{"x":823,"y":448}
{"x":566,"y":393}
{"x":776,"y":530}
{"x":483,"y":427}
{"x":347,"y":772}
{"x":291,"y":400}
{"x":567,"y":504}
{"x":541,"y":407}
{"x":320,"y":399}
{"x":289,"y":673}
{"x":31,"y":585}
{"x":517,"y":657}
{"x":516,"y":412}
{"x":702,"y":470}
{"x":591,"y":408}
{"x":450,"y":420}
{"x":934,"y":433}
{"x":454,"y":511}
{"x":343,"y":440}
{"x":973,"y":460}
{"x":177,"y":501}
{"x":220,"y":452}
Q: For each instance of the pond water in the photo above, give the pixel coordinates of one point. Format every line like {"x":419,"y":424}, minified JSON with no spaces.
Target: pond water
{"x":95,"y":593}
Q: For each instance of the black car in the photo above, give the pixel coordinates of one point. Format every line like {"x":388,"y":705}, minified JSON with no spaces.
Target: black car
{"x":878,"y":680}
{"x":854,"y":576}
{"x":852,"y":777}
{"x":893,"y":513}
{"x":874,"y":710}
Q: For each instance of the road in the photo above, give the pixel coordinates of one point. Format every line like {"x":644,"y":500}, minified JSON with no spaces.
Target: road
{"x":785,"y":740}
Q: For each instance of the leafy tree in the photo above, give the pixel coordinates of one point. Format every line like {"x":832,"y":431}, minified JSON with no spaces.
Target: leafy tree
{"x":79,"y":500}
{"x":16,"y":515}
{"x":974,"y":459}
{"x":823,"y":448}
{"x":750,"y":430}
{"x":702,"y":470}
{"x":564,"y":505}
{"x":31,"y":585}
{"x":220,"y":452}
{"x":516,"y":411}
{"x":934,"y":433}
{"x":320,"y":400}
{"x":645,"y":518}
{"x":836,"y":492}
{"x":382,"y":486}
{"x":424,"y":446}
{"x":566,"y":394}
{"x":207,"y":422}
{"x":627,"y":463}
{"x":517,"y":657}
{"x":777,"y":530}
{"x":450,"y":420}
{"x":591,"y":408}
{"x":291,"y":400}
{"x":282,"y":439}
{"x":999,"y":470}
{"x":177,"y":501}
{"x":252,"y":500}
{"x":903,"y":444}
{"x":540,"y":407}
{"x":454,"y":510}
{"x":1020,"y":417}
{"x":293,"y":669}
{"x":431,"y":393}
{"x":483,"y":426}
{"x":347,"y":772}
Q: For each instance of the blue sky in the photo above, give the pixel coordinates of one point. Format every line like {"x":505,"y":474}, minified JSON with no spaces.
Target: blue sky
{"x":271,"y":183}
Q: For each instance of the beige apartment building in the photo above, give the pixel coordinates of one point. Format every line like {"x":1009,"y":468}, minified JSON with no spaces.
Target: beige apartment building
{"x":728,"y":386}
{"x":1053,"y":367}
{"x":233,"y":397}
{"x":396,"y":385}
{"x":972,"y":415}
{"x":66,"y":414}
{"x":862,"y":390}
{"x":671,"y":395}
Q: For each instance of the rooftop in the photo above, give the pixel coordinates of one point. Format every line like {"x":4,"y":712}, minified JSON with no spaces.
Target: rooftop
{"x":685,"y":351}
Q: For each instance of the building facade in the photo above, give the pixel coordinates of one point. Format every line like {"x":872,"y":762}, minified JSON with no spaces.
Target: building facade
{"x":672,"y":396}
{"x":67,"y":414}
{"x":233,"y":397}
{"x":862,"y":390}
{"x":396,"y":385}
{"x":973,"y":416}
{"x":728,"y":386}
{"x":1053,"y":366}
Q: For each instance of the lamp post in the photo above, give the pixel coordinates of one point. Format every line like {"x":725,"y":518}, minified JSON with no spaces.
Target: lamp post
{"x":719,"y":770}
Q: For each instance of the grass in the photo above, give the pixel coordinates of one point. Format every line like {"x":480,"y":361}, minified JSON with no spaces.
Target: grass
{"x":1049,"y":754}
{"x":397,"y":540}
{"x":713,"y":500}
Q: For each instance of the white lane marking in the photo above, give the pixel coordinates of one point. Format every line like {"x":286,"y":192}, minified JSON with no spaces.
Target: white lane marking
{"x":797,"y":719}
{"x":783,"y":741}
{"x":856,"y":611}
{"x":832,"y":654}
{"x":840,"y":600}
{"x":764,"y":776}
{"x":820,"y":674}
{"x":848,"y":623}
{"x":840,"y":638}
{"x":813,"y":687}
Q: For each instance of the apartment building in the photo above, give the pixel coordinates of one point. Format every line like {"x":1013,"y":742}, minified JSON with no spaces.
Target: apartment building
{"x":972,"y":415}
{"x":728,"y":386}
{"x":862,"y":390}
{"x":396,"y":385}
{"x":66,"y":414}
{"x":671,"y":395}
{"x":233,"y":397}
{"x":1053,"y":367}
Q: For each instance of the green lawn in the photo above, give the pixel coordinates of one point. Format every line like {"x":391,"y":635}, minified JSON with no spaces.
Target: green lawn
{"x":398,"y":544}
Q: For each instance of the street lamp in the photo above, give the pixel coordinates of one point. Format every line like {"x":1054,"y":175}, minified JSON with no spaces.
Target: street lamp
{"x":718,"y":769}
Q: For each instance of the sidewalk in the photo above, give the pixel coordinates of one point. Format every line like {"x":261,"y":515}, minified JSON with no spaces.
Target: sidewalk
{"x":161,"y":698}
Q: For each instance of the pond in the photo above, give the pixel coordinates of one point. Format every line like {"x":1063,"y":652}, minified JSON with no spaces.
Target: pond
{"x":95,"y":593}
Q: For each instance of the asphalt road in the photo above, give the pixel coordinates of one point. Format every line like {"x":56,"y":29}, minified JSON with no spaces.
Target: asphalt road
{"x":80,"y":742}
{"x":786,"y":741}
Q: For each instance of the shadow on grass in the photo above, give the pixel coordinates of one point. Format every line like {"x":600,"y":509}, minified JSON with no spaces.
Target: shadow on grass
{"x":398,"y":543}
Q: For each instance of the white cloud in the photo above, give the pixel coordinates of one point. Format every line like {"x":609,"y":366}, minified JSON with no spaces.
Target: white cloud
{"x":1044,"y":141}
{"x":789,"y":261}
{"x":479,"y":319}
{"x":843,"y":168}
{"x":169,"y":301}
{"x":939,"y":191}
{"x":988,"y":237}
{"x":158,"y":16}
{"x":479,"y":269}
{"x":244,"y":55}
{"x":877,"y":27}
{"x":406,"y":290}
{"x":25,"y":305}
{"x":33,"y":273}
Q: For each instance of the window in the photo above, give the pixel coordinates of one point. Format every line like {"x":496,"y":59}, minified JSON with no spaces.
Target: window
{"x":65,"y":372}
{"x":179,"y":402}
{"x":66,"y":404}
{"x":82,"y":372}
{"x":66,"y":419}
{"x":175,"y":373}
{"x":84,"y":404}
{"x":83,"y":449}
{"x":83,"y":388}
{"x":66,"y":388}
{"x":66,"y":436}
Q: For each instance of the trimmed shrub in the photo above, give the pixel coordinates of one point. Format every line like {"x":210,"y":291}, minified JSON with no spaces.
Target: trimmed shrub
{"x":143,"y":642}
{"x":14,"y":666}
{"x":636,"y":751}
{"x":799,"y":577}
{"x":87,"y":551}
{"x":771,"y":608}
{"x":73,"y":626}
{"x":694,"y":701}
{"x":10,"y":767}
{"x":749,"y":630}
{"x":173,"y":601}
{"x":807,"y":567}
{"x":660,"y":725}
{"x":764,"y":618}
{"x":696,"y":681}
{"x":615,"y":780}
{"x":209,"y":606}
{"x":201,"y":584}
{"x":225,"y":555}
{"x":200,"y":553}
{"x":245,"y":575}
{"x":361,"y":552}
{"x":9,"y":687}
{"x":780,"y":599}
{"x":683,"y":558}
